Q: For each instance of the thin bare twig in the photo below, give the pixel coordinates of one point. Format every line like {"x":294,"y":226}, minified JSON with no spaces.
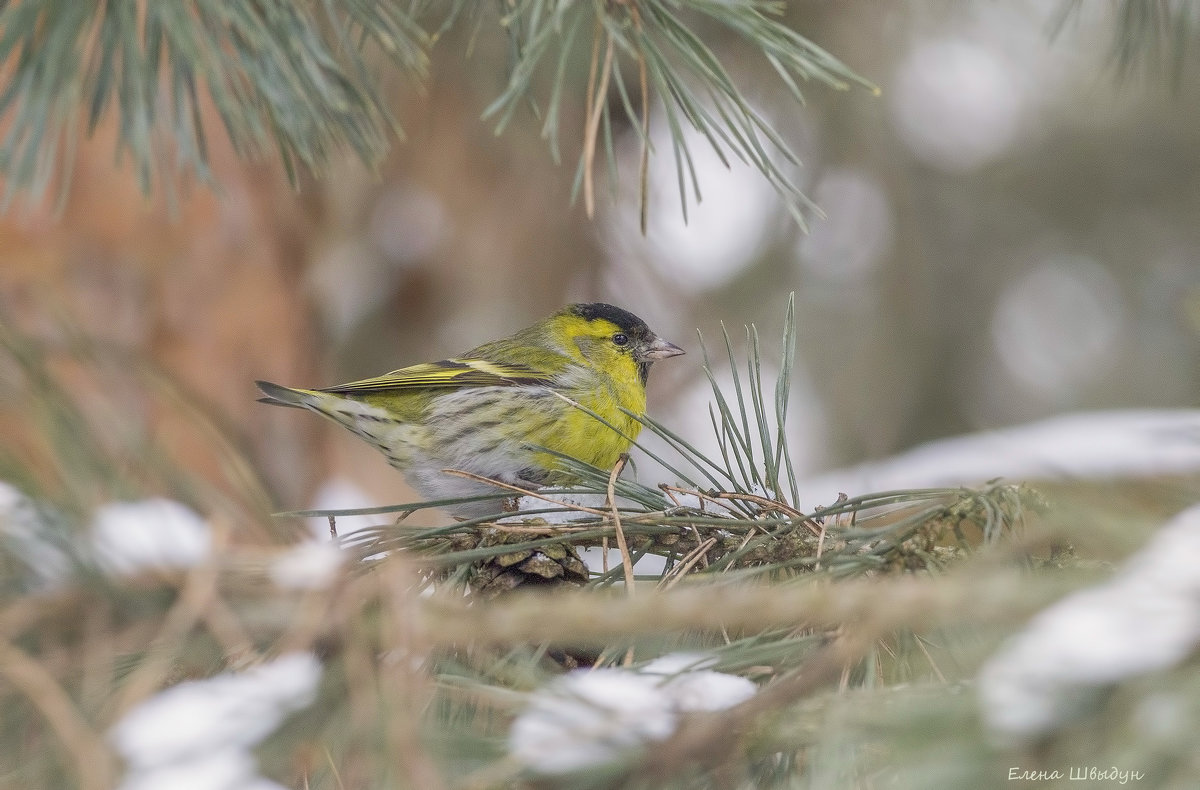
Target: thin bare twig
{"x":712,"y":739}
{"x":903,"y":602}
{"x":670,"y":490}
{"x":93,"y":759}
{"x":196,"y":594}
{"x":593,"y":126}
{"x":547,"y":530}
{"x":749,"y":534}
{"x":766,"y":504}
{"x":626,"y":560}
{"x":644,"y":165}
{"x":686,"y":564}
{"x":932,"y":664}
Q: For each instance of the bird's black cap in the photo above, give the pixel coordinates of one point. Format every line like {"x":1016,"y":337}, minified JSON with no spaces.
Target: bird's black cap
{"x":626,"y":321}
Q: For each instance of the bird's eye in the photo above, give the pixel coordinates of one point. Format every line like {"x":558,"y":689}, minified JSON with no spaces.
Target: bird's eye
{"x":621,"y":339}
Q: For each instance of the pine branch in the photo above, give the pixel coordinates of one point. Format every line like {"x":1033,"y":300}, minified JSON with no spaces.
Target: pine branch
{"x":293,"y":78}
{"x":662,"y":41}
{"x":282,"y":75}
{"x":1156,"y":37}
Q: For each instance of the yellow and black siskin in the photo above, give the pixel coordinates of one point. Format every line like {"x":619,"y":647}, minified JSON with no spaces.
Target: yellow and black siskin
{"x":496,"y":410}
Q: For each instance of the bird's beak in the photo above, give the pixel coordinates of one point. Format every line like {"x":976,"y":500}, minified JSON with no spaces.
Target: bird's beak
{"x":660,"y":349}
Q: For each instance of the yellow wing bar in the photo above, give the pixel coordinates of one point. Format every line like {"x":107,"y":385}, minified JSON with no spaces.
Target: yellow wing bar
{"x":449,"y":373}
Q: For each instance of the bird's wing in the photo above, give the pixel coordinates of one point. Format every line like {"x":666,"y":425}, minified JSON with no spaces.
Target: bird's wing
{"x":447,"y":374}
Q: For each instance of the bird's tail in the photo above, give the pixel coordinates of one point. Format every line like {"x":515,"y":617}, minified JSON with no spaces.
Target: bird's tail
{"x":279,"y":395}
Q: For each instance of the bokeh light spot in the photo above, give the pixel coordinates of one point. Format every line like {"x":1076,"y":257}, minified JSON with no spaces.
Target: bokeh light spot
{"x":724,"y":232}
{"x":849,"y":244}
{"x":1057,"y":327}
{"x":955,"y":105}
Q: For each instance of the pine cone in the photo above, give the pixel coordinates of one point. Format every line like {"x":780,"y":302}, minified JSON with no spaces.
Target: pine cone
{"x":554,"y":564}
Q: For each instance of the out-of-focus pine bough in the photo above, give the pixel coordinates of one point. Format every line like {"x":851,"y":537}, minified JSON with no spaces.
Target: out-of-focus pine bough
{"x":302,"y":80}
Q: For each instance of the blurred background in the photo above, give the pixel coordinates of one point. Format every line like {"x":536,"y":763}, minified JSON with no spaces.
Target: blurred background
{"x":1010,"y":231}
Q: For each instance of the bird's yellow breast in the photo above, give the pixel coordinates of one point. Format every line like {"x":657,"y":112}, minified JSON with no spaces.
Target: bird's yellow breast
{"x":596,"y":443}
{"x":615,"y":395}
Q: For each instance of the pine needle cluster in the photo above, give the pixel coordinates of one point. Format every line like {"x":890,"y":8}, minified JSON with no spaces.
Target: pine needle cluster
{"x":301,"y":81}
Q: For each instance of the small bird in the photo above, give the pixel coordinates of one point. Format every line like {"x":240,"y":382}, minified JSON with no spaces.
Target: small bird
{"x":496,"y":410}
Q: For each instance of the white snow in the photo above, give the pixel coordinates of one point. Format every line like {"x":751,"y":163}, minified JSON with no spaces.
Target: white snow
{"x":125,"y":537}
{"x":526,"y":503}
{"x":151,"y":534}
{"x":27,"y":534}
{"x":312,"y":565}
{"x":198,"y":735}
{"x":338,"y":493}
{"x":592,"y":556}
{"x":1146,"y":618}
{"x":1082,"y":445}
{"x":591,"y":718}
{"x":695,"y":688}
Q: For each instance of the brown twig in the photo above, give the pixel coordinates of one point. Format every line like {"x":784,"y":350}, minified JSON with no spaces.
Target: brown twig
{"x":626,"y":560}
{"x":904,"y":602}
{"x":770,"y":504}
{"x":932,"y":664}
{"x":761,"y":501}
{"x":820,"y":545}
{"x":93,"y":759}
{"x":712,"y":739}
{"x":196,"y":595}
{"x":596,"y":106}
{"x":686,"y":564}
{"x":702,"y":496}
{"x":644,"y":165}
{"x":549,"y":530}
{"x":749,"y":534}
